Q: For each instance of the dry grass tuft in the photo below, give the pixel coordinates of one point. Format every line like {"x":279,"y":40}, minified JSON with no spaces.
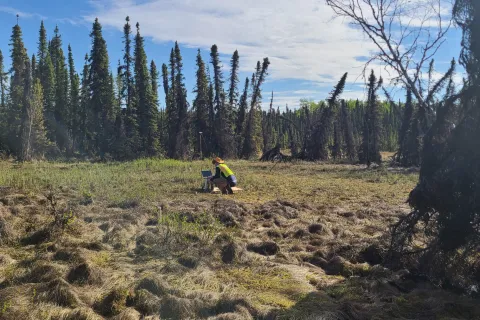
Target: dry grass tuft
{"x":79,"y":314}
{"x":155,"y":285}
{"x":42,"y":272}
{"x":129,"y":314}
{"x":173,"y":307}
{"x":267,"y":248}
{"x":84,"y":273}
{"x":58,"y":292}
{"x":7,"y":233}
{"x":113,"y":302}
{"x":146,"y":302}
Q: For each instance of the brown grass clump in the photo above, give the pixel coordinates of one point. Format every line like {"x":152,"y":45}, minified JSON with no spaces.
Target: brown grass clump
{"x":231,"y":252}
{"x":38,"y":237}
{"x":129,"y":314}
{"x":173,"y":307}
{"x":58,"y":292}
{"x":154,"y":285}
{"x":7,"y":233}
{"x":42,"y":272}
{"x":146,"y":302}
{"x":266,"y":248}
{"x":79,"y":314}
{"x":84,"y":273}
{"x":188,"y":261}
{"x":114,"y":302}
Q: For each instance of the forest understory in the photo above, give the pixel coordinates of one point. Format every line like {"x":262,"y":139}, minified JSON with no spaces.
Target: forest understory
{"x":138,"y":240}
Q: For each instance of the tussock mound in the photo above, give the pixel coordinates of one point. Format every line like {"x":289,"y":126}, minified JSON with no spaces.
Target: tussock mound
{"x":66,"y":255}
{"x":58,"y":292}
{"x":231,"y":304}
{"x":118,"y":236}
{"x":372,"y":254}
{"x":42,"y":272}
{"x":7,"y":233}
{"x":230,"y":213}
{"x":173,"y":307}
{"x":80,"y":314}
{"x":129,"y":314}
{"x":266,"y":248}
{"x":84,"y":273}
{"x":154,"y":285}
{"x":231,"y":252}
{"x":38,"y":237}
{"x":146,"y":302}
{"x":284,"y":209}
{"x":188,"y":261}
{"x":146,"y":242}
{"x":319,"y":228}
{"x":113,"y":302}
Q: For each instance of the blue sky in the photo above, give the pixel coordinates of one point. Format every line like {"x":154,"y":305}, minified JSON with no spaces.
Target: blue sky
{"x":308,"y":50}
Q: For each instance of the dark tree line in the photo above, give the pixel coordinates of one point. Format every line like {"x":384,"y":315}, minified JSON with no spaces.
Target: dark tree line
{"x":96,"y":114}
{"x":48,"y":110}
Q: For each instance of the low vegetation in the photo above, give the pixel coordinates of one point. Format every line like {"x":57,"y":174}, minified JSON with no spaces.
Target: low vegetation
{"x":302,"y":241}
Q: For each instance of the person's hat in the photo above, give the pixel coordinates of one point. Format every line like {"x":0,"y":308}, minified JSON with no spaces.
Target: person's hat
{"x":218,"y":160}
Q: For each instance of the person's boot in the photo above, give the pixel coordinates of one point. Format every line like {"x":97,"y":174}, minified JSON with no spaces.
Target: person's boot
{"x":229,"y":190}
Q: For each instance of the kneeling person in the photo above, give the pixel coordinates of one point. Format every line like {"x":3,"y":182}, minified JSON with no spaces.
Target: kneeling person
{"x":224,"y":178}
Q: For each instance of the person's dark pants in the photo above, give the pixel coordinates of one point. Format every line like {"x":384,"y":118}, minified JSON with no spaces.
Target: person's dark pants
{"x":225,"y":185}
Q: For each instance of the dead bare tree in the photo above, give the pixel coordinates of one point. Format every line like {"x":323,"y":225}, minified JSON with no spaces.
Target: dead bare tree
{"x":406,"y":33}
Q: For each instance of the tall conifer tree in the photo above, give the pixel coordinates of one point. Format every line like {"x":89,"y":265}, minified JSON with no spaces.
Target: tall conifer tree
{"x":182,"y":141}
{"x":17,"y":84}
{"x":74,"y":100}
{"x":62,"y":112}
{"x":101,"y":100}
{"x":146,"y":109}
{"x":200,"y":109}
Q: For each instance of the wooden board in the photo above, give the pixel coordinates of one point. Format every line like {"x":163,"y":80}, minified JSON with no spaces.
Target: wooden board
{"x":234,"y":189}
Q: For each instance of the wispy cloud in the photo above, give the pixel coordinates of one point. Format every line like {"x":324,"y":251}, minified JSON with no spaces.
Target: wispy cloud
{"x":74,"y":21}
{"x":300,"y":38}
{"x":22,"y":14}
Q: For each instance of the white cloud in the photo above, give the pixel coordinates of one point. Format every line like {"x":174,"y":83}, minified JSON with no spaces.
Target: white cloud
{"x":300,"y":38}
{"x":22,"y":14}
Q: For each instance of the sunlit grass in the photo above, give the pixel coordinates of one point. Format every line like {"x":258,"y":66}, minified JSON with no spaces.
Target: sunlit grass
{"x":158,"y":180}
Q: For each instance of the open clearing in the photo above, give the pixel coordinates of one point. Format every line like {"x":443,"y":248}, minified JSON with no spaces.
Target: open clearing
{"x":302,"y":241}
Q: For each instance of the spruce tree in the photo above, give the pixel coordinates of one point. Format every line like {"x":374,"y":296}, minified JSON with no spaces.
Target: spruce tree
{"x":164,"y":126}
{"x":251,"y":145}
{"x":42,"y":54}
{"x":223,"y":113}
{"x":181,"y":104}
{"x":33,"y":64}
{"x":34,"y":140}
{"x":62,"y":112}
{"x":233,"y":87}
{"x":242,"y":111}
{"x":17,"y":84}
{"x":26,"y":115}
{"x":3,"y":85}
{"x":101,"y":99}
{"x":370,"y":149}
{"x":346,"y":123}
{"x":74,"y":101}
{"x":4,"y":125}
{"x":337,"y":147}
{"x":402,"y":135}
{"x":146,"y":108}
{"x":130,"y":123}
{"x":171,"y":109}
{"x":202,"y":127}
{"x":84,"y":112}
{"x":154,"y":79}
